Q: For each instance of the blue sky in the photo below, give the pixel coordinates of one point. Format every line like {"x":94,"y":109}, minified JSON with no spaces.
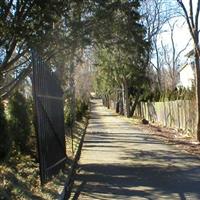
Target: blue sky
{"x":181,"y":33}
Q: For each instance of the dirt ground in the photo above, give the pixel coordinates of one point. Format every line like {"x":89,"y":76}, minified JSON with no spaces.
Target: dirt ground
{"x":171,"y":136}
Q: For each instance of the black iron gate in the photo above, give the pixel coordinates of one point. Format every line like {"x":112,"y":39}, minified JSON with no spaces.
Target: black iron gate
{"x":48,"y":97}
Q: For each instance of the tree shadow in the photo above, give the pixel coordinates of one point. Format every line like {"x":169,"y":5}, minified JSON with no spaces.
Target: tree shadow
{"x":162,"y":172}
{"x":144,"y":167}
{"x":152,"y":182}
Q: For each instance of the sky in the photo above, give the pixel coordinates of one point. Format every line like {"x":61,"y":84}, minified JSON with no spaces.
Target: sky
{"x":181,"y":33}
{"x":181,"y":36}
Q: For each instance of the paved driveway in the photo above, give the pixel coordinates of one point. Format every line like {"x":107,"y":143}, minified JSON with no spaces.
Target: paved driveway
{"x":119,"y":161}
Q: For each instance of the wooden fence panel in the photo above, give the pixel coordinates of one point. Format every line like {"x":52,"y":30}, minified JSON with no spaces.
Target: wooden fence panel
{"x":179,"y":114}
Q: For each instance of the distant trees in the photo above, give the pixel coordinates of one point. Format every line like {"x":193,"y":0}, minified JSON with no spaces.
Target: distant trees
{"x":155,"y":15}
{"x":171,"y":58}
{"x":84,"y":75}
{"x":122,"y":61}
{"x":107,"y":80}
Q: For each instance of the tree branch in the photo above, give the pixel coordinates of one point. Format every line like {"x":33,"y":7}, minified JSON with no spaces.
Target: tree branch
{"x":15,"y":82}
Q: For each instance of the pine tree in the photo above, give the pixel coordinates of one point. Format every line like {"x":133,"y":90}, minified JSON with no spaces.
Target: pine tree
{"x":19,"y":121}
{"x":125,"y":48}
{"x":4,"y":135}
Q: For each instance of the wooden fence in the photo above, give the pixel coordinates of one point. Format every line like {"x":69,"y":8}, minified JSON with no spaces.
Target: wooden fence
{"x":179,"y":114}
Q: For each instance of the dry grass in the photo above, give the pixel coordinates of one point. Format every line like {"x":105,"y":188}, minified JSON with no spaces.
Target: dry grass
{"x":183,"y":141}
{"x":20,"y":180}
{"x":19,"y":176}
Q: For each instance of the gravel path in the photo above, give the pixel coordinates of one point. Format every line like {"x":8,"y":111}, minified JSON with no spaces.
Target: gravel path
{"x":119,"y":161}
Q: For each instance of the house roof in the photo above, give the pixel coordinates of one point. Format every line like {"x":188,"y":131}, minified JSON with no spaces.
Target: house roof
{"x":183,"y":67}
{"x":190,"y":53}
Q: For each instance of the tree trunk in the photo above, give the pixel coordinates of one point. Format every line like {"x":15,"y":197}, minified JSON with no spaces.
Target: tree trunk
{"x":117,"y":103}
{"x":197,"y":95}
{"x":72,"y":104}
{"x":126,"y":99}
{"x":134,"y":105}
{"x":193,"y":23}
{"x":72,"y":93}
{"x":108,"y":101}
{"x":121,"y":103}
{"x":159,"y":79}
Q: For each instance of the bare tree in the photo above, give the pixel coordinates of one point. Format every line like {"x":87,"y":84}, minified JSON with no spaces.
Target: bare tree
{"x":156,"y":13}
{"x":192,"y":17}
{"x":19,"y":34}
{"x":171,"y":56}
{"x":84,"y":78}
{"x":158,"y":66}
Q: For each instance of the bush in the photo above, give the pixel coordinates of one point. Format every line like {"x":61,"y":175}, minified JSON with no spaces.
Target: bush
{"x":19,"y":121}
{"x":67,"y":115}
{"x":180,"y":93}
{"x":81,"y":108}
{"x":32,"y":140}
{"x":5,"y":142}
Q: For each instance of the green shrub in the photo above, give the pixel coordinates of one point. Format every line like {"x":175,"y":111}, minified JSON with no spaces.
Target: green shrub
{"x":5,"y":142}
{"x":67,"y":115}
{"x":81,"y":108}
{"x":19,"y":121}
{"x":32,"y":140}
{"x":180,"y":93}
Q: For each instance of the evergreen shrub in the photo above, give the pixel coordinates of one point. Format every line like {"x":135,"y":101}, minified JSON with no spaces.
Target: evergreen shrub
{"x":5,"y":142}
{"x":19,"y":121}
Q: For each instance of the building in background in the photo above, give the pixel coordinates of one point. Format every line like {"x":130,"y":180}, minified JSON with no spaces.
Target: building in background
{"x":187,"y":72}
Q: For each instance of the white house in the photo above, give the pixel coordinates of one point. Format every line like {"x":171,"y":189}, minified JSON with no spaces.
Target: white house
{"x":187,"y":72}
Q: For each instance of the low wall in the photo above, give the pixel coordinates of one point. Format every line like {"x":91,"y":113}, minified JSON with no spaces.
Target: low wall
{"x":179,"y":114}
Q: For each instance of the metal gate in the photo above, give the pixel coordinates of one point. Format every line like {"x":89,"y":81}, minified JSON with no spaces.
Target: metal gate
{"x":48,"y":97}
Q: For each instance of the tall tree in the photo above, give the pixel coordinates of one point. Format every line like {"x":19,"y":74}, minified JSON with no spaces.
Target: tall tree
{"x":192,"y":17}
{"x":155,"y":14}
{"x":24,"y":25}
{"x":125,"y":40}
